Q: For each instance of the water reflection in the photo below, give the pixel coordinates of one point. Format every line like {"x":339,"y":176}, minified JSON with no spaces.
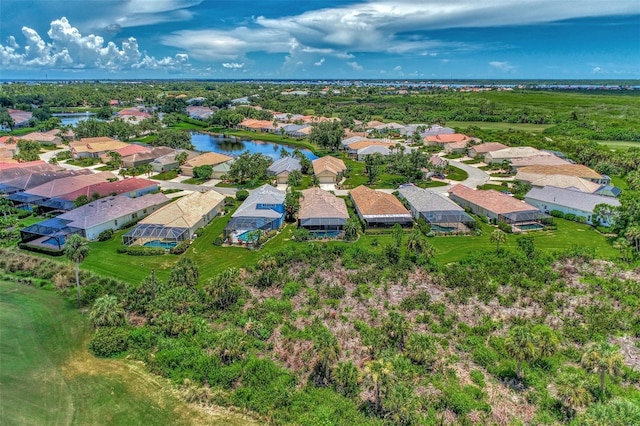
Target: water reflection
{"x":236,"y":146}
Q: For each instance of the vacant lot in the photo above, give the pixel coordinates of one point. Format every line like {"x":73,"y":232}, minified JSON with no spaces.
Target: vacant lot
{"x":47,"y":376}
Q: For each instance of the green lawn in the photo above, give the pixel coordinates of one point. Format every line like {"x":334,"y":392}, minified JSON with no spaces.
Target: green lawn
{"x":357,"y":177}
{"x":456,"y":173}
{"x":498,"y":126}
{"x":48,"y":377}
{"x":171,"y":174}
{"x":618,"y":145}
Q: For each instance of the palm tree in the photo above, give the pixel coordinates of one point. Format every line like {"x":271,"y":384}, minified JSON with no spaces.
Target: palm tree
{"x":267,"y":265}
{"x":498,"y":236}
{"x":603,"y":358}
{"x":378,"y":377}
{"x":107,"y":312}
{"x":522,"y":345}
{"x":623,"y":247}
{"x":572,"y":392}
{"x":76,"y":249}
{"x":419,"y":245}
{"x":328,"y":351}
{"x":633,"y":235}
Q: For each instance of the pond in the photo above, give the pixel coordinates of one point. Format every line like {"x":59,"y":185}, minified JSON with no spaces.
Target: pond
{"x":235,"y":146}
{"x":74,"y":118}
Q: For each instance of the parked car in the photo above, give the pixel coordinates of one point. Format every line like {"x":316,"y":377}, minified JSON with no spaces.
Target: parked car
{"x":510,"y":194}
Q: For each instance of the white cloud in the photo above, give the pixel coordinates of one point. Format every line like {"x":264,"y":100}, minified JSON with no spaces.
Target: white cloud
{"x":596,"y":70}
{"x":356,"y":66}
{"x":319,"y":63}
{"x":69,"y":49}
{"x":398,"y":68}
{"x":135,"y":13}
{"x":233,"y":65}
{"x":502,"y":66}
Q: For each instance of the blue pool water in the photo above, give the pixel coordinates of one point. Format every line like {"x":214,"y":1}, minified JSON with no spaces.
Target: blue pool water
{"x":164,"y":244}
{"x":531,"y":227}
{"x":245,"y":237}
{"x":54,"y":242}
{"x":325,"y":234}
{"x":438,"y":228}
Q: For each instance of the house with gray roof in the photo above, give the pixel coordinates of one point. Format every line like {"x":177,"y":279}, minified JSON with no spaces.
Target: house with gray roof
{"x":442,"y":214}
{"x":571,"y":201}
{"x":283,"y":167}
{"x":91,"y":219}
{"x":362,"y":153}
{"x":168,"y":162}
{"x":262,"y":210}
{"x":322,"y":212}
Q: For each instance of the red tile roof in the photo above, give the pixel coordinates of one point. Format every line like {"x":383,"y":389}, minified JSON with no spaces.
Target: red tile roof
{"x":491,"y":200}
{"x":448,"y":138}
{"x":5,"y":166}
{"x":108,"y":188}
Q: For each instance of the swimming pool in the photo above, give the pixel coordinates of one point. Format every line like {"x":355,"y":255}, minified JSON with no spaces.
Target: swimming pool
{"x":164,"y":244}
{"x":325,"y":234}
{"x":246,"y":237}
{"x":438,"y":228}
{"x":531,"y":227}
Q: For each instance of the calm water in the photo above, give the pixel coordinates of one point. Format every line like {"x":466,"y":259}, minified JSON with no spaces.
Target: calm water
{"x":73,"y":119}
{"x":232,"y":146}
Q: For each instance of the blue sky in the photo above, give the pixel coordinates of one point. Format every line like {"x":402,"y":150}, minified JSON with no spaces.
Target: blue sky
{"x":374,"y":39}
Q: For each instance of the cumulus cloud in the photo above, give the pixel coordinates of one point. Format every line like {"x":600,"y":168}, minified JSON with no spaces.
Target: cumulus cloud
{"x":356,"y":66}
{"x":397,"y":68}
{"x":233,"y":65}
{"x":502,"y":66}
{"x":596,"y":70}
{"x":69,"y":49}
{"x":319,"y":63}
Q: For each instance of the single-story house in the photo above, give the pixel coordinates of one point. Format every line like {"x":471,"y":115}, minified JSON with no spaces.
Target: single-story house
{"x":133,"y":115}
{"x":221,"y":164}
{"x":262,"y":210}
{"x":91,"y":219}
{"x":132,"y":188}
{"x":538,"y":160}
{"x":609,"y":191}
{"x":497,"y":207}
{"x":321,"y":211}
{"x":253,"y":125}
{"x":25,"y":179}
{"x":563,"y":181}
{"x":376,"y":208}
{"x":54,"y":189}
{"x":94,"y":147}
{"x":20,"y":118}
{"x":128,"y":150}
{"x":354,"y":147}
{"x":177,"y":221}
{"x":532,"y":173}
{"x":199,"y":112}
{"x":456,"y":147}
{"x":570,"y":201}
{"x":42,"y":137}
{"x":282,"y":167}
{"x":436,"y":129}
{"x":169,"y":162}
{"x":435,"y":208}
{"x":511,"y":153}
{"x":443,"y":139}
{"x":295,"y":130}
{"x":145,"y":157}
{"x":328,"y":169}
{"x":362,"y":153}
{"x":353,"y":139}
{"x":485,"y":148}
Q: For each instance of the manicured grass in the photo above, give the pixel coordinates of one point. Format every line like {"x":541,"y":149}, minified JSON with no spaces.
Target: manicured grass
{"x":457,"y":174}
{"x":488,"y":186}
{"x":357,"y":177}
{"x":618,"y":145}
{"x":171,"y":174}
{"x":196,"y":181}
{"x":498,"y":126}
{"x":84,"y":162}
{"x":48,"y":377}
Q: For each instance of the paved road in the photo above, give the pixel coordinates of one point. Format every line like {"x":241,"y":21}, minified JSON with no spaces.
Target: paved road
{"x":200,"y":188}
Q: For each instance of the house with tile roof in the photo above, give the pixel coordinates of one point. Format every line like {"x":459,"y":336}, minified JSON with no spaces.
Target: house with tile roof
{"x":20,"y":118}
{"x":328,"y":169}
{"x":497,"y":207}
{"x":168,"y":162}
{"x":538,"y":160}
{"x":563,"y":181}
{"x":484,"y":148}
{"x":532,"y":173}
{"x":146,"y":157}
{"x":90,"y":220}
{"x":362,"y":153}
{"x":23,"y":179}
{"x":132,"y":188}
{"x":571,"y":201}
{"x":511,"y":153}
{"x":443,"y":139}
{"x":283,"y":167}
{"x":177,"y":221}
{"x":221,"y":164}
{"x":41,"y":137}
{"x":456,"y":147}
{"x":262,"y":210}
{"x":94,"y":147}
{"x":321,"y":211}
{"x":376,"y":208}
{"x":442,"y":214}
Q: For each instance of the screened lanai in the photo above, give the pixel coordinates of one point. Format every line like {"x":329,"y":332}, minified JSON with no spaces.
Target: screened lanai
{"x":321,"y":211}
{"x":50,"y":234}
{"x":148,"y":233}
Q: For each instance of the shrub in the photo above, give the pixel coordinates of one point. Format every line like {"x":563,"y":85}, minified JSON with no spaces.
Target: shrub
{"x":242,"y":195}
{"x":570,"y":216}
{"x":105,"y":235}
{"x":109,"y":341}
{"x":291,"y":289}
{"x":301,"y":234}
{"x":505,"y":227}
{"x":180,"y":248}
{"x":218,"y":241}
{"x":141,"y":251}
{"x":478,"y":378}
